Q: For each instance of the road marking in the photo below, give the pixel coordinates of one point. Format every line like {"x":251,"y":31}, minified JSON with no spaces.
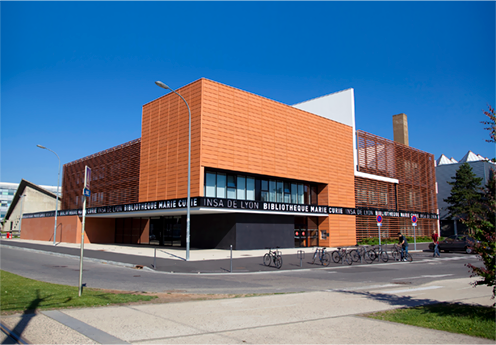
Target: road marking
{"x":426,"y":276}
{"x":416,"y":289}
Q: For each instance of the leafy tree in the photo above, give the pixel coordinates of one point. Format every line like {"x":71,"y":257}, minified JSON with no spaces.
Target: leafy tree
{"x":482,"y":225}
{"x":465,"y":197}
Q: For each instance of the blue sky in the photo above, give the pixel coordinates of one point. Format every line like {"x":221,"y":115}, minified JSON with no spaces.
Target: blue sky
{"x":74,"y":75}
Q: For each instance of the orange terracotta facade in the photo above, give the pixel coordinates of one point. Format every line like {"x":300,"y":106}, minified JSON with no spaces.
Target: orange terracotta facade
{"x":235,"y":130}
{"x":98,"y":230}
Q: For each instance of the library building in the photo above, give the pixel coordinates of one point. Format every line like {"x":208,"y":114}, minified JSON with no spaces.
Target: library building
{"x":263,"y":174}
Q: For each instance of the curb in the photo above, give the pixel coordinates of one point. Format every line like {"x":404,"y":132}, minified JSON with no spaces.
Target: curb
{"x":115,"y":263}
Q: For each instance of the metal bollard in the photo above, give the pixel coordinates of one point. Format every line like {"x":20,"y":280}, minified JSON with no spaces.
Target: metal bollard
{"x":231,"y":257}
{"x":155,"y":259}
{"x":301,"y":255}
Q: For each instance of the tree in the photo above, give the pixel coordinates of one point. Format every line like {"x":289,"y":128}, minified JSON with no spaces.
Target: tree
{"x":491,"y":123}
{"x":482,"y":222}
{"x":465,"y":197}
{"x":482,"y":226}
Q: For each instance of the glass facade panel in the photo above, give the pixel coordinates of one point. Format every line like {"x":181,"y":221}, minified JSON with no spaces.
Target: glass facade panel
{"x":250,"y":188}
{"x":287,"y":192}
{"x":231,"y":186}
{"x":280,"y":191}
{"x":301,"y":198}
{"x":264,"y":195}
{"x":231,"y":193}
{"x":272,"y":191}
{"x":241,"y":188}
{"x":221,"y":185}
{"x":231,"y":181}
{"x":210,"y":185}
{"x":307,"y":194}
{"x":294,"y":193}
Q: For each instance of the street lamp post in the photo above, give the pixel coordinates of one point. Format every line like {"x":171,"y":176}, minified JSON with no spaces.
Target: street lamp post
{"x":163,"y":86}
{"x":57,"y":199}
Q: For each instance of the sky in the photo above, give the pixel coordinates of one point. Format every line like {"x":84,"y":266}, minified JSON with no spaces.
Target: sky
{"x":75,"y":75}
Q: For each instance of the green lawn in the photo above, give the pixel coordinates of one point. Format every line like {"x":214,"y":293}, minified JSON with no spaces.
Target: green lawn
{"x":477,"y":321}
{"x":19,"y":294}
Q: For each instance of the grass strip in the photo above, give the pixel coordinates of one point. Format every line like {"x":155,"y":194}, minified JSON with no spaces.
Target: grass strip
{"x":21,"y":294}
{"x":473,"y":320}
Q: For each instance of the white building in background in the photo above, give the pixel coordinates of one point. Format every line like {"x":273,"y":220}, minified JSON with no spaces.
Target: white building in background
{"x":446,"y":169}
{"x":7,"y":192}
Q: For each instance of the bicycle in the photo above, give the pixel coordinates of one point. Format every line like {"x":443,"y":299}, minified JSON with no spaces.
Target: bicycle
{"x":273,"y":256}
{"x":322,"y":256}
{"x":396,"y":254}
{"x":379,"y":253}
{"x":360,"y":254}
{"x":341,"y":256}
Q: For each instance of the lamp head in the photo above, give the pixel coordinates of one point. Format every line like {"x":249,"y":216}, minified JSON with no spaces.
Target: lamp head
{"x":41,"y":147}
{"x":162,"y":85}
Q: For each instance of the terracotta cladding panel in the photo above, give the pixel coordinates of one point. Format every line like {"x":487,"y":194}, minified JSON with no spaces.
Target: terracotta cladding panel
{"x":277,"y":129}
{"x":164,"y":164}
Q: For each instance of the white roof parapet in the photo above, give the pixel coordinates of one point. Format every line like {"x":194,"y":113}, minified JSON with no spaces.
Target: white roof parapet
{"x":453,"y":160}
{"x":376,"y":177}
{"x":443,"y":160}
{"x":470,"y":157}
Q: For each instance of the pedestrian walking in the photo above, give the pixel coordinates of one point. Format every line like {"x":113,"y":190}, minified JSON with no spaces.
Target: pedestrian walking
{"x":435,"y":240}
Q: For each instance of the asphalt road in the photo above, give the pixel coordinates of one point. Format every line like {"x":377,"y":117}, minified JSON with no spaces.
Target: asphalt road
{"x":65,"y":270}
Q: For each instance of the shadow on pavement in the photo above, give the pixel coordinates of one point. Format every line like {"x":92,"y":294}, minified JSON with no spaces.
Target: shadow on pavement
{"x":406,"y":301}
{"x":28,"y":314}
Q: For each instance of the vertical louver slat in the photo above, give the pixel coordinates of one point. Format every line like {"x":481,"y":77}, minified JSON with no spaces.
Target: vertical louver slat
{"x":114,"y":177}
{"x":414,"y":169}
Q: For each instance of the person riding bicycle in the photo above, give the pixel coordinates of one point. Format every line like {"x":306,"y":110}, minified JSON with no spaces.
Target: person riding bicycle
{"x":404,"y":246}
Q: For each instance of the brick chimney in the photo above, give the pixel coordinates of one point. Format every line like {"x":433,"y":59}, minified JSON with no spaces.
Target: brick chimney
{"x":400,"y":128}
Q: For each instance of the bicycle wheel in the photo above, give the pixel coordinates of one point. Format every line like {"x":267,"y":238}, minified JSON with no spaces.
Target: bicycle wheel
{"x":372,"y":255}
{"x":326,"y":260}
{"x":367,"y":258}
{"x":409,"y":258}
{"x":347,"y":259}
{"x":266,"y":260}
{"x":335,"y":256}
{"x":384,"y":256}
{"x":396,"y":255}
{"x":278,"y":261}
{"x":354,"y":255}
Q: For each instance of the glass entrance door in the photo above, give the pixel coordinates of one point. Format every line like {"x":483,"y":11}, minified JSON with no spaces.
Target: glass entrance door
{"x":172,"y":231}
{"x":165,"y":231}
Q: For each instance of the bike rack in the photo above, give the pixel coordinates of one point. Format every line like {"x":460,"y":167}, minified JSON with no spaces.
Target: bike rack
{"x":301,"y":256}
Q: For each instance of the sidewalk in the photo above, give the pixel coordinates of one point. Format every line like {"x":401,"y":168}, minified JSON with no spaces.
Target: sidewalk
{"x":324,"y":317}
{"x":172,"y":259}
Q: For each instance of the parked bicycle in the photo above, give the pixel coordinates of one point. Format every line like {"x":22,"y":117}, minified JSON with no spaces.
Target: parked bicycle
{"x":273,"y":256}
{"x":361,"y":254}
{"x":377,"y":252}
{"x":322,"y":256}
{"x":341,"y":255}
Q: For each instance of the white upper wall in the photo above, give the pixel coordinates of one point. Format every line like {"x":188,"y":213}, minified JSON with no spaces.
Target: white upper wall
{"x":338,"y":106}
